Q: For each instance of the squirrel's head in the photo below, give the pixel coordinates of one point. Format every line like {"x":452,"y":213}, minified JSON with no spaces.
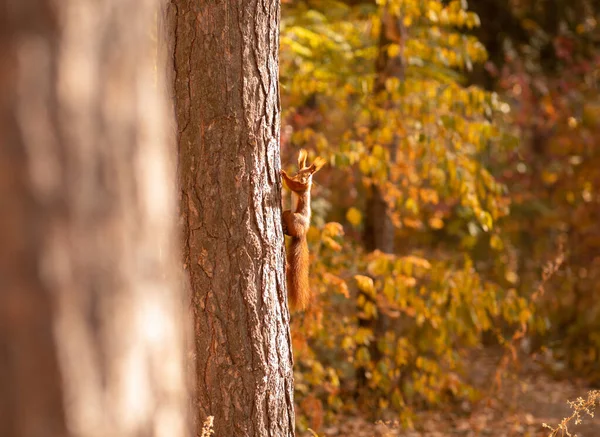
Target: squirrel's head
{"x":302,"y":180}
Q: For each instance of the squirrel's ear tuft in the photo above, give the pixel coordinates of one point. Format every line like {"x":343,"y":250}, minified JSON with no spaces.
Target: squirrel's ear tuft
{"x":302,"y":159}
{"x":317,"y":165}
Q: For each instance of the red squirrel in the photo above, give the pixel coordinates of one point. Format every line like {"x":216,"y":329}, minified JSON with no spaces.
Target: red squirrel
{"x":295,"y":224}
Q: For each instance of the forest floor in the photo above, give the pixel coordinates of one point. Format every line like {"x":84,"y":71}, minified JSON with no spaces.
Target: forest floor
{"x":526,"y":400}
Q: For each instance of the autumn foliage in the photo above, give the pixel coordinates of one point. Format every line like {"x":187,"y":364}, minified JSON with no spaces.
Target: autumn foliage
{"x":488,"y":167}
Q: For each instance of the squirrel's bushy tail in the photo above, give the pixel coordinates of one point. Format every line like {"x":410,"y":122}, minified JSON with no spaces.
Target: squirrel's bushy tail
{"x":297,"y":273}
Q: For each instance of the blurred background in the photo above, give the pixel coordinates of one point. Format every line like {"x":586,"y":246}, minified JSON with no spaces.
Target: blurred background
{"x":455,"y":246}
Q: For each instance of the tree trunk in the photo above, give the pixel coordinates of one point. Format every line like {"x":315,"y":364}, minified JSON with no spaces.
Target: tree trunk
{"x":227,"y":106}
{"x":88,"y":309}
{"x":379,"y":230}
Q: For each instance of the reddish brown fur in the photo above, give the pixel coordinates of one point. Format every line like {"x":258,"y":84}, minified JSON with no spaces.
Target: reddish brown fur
{"x":297,"y":273}
{"x":296,"y":224}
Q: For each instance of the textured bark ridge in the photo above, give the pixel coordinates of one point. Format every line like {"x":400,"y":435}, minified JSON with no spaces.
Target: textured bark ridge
{"x":227,"y":106}
{"x":90,"y":321}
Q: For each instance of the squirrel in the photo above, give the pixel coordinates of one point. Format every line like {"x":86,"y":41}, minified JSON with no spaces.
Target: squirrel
{"x":295,"y":224}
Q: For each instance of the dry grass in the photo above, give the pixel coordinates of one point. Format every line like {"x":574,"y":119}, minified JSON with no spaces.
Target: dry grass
{"x":581,"y":407}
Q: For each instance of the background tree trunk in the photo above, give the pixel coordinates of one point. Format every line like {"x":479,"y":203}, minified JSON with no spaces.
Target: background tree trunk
{"x":227,"y":106}
{"x":88,"y":305}
{"x":379,"y":229}
{"x":379,"y":233}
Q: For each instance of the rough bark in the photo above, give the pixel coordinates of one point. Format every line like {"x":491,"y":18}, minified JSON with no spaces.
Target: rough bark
{"x":88,"y":310}
{"x":227,"y":106}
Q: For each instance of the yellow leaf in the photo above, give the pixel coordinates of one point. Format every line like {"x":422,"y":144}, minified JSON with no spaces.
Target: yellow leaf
{"x":389,"y":290}
{"x":379,"y":266}
{"x":393,"y":50}
{"x":378,"y":152}
{"x":407,"y":280}
{"x":511,"y":277}
{"x":486,"y":220}
{"x":496,"y":242}
{"x":548,"y":177}
{"x":363,"y":356}
{"x":337,"y":282}
{"x":370,"y":310}
{"x":417,"y":261}
{"x":360,"y":300}
{"x":365,"y":166}
{"x":363,"y":336}
{"x":411,"y":205}
{"x":436,"y":223}
{"x":432,"y":16}
{"x":354,"y":216}
{"x":332,"y":244}
{"x":348,"y":343}
{"x":333,"y":229}
{"x":313,"y":234}
{"x":412,"y":223}
{"x":365,"y":284}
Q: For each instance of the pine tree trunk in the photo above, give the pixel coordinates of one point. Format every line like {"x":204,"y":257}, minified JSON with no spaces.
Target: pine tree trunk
{"x":227,"y":106}
{"x":88,"y":306}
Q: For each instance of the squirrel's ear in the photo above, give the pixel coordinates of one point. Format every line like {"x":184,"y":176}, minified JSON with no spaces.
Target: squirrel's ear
{"x":302,"y":159}
{"x":316,"y":166}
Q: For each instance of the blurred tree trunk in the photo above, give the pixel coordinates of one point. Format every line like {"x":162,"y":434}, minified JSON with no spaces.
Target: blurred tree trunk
{"x":379,"y":231}
{"x":88,"y":305}
{"x":227,"y":108}
{"x":498,"y":25}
